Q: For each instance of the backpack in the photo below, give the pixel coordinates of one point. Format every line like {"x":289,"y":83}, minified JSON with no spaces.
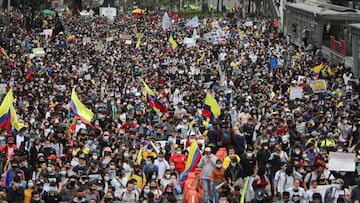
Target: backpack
{"x":226,"y":136}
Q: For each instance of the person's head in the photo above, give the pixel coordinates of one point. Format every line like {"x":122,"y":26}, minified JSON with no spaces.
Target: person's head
{"x":208,"y":151}
{"x":289,"y":170}
{"x":296,"y":183}
{"x":314,"y":184}
{"x":35,"y":195}
{"x":130,"y":186}
{"x":218,"y":163}
{"x":30,"y":184}
{"x":169,"y":189}
{"x":231,"y":151}
{"x":167,"y":174}
{"x":286,"y":196}
{"x":340,"y":182}
{"x":178,"y":151}
{"x":316,"y":198}
{"x":146,"y":189}
{"x":80,"y":194}
{"x":223,"y":198}
{"x":153,"y":185}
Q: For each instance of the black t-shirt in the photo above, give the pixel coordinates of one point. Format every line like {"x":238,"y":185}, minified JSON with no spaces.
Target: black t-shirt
{"x":51,"y":198}
{"x":248,"y":165}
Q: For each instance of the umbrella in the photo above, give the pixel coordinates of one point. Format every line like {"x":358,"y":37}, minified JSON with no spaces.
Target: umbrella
{"x":138,"y":11}
{"x":48,"y":12}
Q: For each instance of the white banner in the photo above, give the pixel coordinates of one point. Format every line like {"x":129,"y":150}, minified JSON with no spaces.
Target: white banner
{"x":341,"y":161}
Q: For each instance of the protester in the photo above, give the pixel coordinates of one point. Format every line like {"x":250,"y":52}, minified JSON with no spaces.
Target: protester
{"x":149,"y":102}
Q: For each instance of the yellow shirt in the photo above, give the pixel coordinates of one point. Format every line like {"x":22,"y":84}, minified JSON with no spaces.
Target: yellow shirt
{"x":227,"y":160}
{"x":140,"y":180}
{"x":27,"y":193}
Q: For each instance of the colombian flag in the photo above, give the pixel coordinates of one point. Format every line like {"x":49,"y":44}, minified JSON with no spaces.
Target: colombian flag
{"x":211,"y":107}
{"x":137,"y":47}
{"x":317,"y":68}
{"x":80,"y":110}
{"x":16,"y":125}
{"x":173,"y":43}
{"x":155,"y":103}
{"x":5,"y":112}
{"x":201,"y":59}
{"x":192,"y":160}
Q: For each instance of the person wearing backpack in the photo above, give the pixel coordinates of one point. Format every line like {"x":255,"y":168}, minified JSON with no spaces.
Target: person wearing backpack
{"x":226,"y":134}
{"x":129,"y":195}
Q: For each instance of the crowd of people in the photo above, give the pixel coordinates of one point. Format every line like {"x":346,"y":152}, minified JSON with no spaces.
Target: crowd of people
{"x":277,"y":148}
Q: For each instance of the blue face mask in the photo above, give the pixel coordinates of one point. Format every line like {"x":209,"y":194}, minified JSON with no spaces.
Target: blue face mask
{"x":135,"y":187}
{"x":106,"y":178}
{"x":62,"y":173}
{"x":53,"y":189}
{"x":49,"y":169}
{"x":31,"y":185}
{"x":146,"y":191}
{"x":153,"y":177}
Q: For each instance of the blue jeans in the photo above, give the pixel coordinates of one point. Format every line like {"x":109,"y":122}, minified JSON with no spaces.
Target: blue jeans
{"x":216,"y":183}
{"x":207,"y":188}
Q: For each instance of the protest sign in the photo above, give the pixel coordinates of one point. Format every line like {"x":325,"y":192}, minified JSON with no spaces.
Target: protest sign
{"x":189,"y":42}
{"x":38,"y":52}
{"x":86,"y":40}
{"x":125,"y":37}
{"x":296,"y":92}
{"x":108,"y":12}
{"x":48,"y":32}
{"x":318,"y":86}
{"x":340,"y":161}
{"x":109,"y":39}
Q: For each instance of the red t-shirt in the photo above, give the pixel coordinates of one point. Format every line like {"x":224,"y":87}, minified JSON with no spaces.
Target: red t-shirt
{"x":179,"y":161}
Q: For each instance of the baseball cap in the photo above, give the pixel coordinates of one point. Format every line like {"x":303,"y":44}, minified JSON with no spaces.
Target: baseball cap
{"x":207,"y":149}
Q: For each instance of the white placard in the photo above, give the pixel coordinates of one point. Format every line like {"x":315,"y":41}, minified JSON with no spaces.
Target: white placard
{"x":108,"y":12}
{"x":48,"y":32}
{"x":128,"y":42}
{"x":86,"y":40}
{"x":340,"y":161}
{"x":190,"y":42}
{"x":296,"y":93}
{"x":249,"y":23}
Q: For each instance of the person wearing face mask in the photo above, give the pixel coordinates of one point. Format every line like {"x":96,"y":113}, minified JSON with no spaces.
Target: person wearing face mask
{"x":313,"y":175}
{"x":337,"y":190}
{"x":297,"y":193}
{"x":91,"y":192}
{"x":28,"y":191}
{"x":52,"y":195}
{"x":234,"y":174}
{"x":11,"y":173}
{"x":15,"y":193}
{"x":179,"y":159}
{"x":217,"y":177}
{"x":167,"y":194}
{"x":207,"y":163}
{"x":311,"y":191}
{"x":155,"y":190}
{"x":145,"y":192}
{"x":138,"y":175}
{"x":35,"y":197}
{"x":80,"y":197}
{"x":162,"y":165}
{"x":129,"y":196}
{"x":68,"y":192}
{"x":150,"y":168}
{"x":119,"y":182}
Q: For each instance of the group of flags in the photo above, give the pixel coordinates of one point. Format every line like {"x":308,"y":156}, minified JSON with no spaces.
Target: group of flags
{"x":8,"y":117}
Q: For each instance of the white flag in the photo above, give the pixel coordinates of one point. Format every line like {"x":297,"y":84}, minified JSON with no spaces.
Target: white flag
{"x":166,"y":23}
